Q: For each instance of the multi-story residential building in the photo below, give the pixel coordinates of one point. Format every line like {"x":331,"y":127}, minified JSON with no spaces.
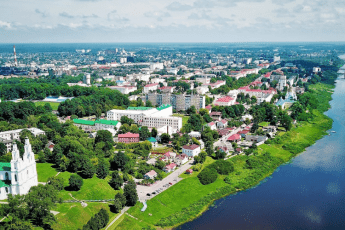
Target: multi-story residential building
{"x":7,"y":143}
{"x":151,"y":87}
{"x":156,"y":66}
{"x":14,"y":134}
{"x":124,"y":89}
{"x":128,"y":137}
{"x":180,"y":102}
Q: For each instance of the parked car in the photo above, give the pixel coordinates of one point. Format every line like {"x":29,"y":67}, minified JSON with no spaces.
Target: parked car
{"x":170,"y":183}
{"x":153,"y":193}
{"x":148,"y":194}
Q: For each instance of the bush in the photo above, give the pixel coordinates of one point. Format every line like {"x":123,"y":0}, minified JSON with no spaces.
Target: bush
{"x":208,"y":176}
{"x":197,"y":167}
{"x":222,"y":167}
{"x":98,"y":221}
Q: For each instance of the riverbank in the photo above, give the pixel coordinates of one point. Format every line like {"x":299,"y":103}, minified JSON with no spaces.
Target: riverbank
{"x":189,"y":199}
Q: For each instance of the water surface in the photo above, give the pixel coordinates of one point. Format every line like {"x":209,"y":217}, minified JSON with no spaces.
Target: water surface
{"x":308,"y":193}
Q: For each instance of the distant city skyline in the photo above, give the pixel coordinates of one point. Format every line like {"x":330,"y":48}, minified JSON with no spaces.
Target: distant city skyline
{"x":79,"y":21}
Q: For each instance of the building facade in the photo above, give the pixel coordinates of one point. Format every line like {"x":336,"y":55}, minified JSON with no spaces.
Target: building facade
{"x":18,"y":176}
{"x":180,"y":102}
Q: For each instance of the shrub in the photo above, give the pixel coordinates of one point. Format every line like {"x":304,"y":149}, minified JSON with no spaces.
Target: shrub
{"x":197,"y":167}
{"x":208,"y":176}
{"x":222,"y":167}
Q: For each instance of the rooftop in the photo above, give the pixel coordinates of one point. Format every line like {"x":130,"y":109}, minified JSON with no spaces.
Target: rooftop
{"x":160,"y":108}
{"x":107,"y":122}
{"x":139,"y":108}
{"x":191,"y":147}
{"x":5,"y":166}
{"x":83,"y":122}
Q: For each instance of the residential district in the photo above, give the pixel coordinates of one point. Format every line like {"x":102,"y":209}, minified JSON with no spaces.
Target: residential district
{"x":147,"y":116}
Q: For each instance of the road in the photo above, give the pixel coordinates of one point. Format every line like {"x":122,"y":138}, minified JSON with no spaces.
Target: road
{"x":173,"y":178}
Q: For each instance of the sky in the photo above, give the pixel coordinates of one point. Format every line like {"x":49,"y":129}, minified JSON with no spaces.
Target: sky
{"x":79,"y":21}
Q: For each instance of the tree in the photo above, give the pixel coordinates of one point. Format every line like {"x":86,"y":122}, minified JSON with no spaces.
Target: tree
{"x":220,"y":154}
{"x":160,"y":164}
{"x":207,"y":176}
{"x":116,"y":181}
{"x":154,"y":132}
{"x":254,"y":127}
{"x":126,"y":120}
{"x":40,"y":200}
{"x":75,"y":182}
{"x":195,"y":141}
{"x":56,"y":182}
{"x":149,"y":104}
{"x":196,"y":122}
{"x":191,"y":110}
{"x":88,"y":169}
{"x":3,"y":149}
{"x":104,"y":136}
{"x":130,"y":192}
{"x":41,"y":157}
{"x":119,"y":161}
{"x":102,"y":169}
{"x":117,"y":206}
{"x":121,"y":198}
{"x":144,"y":133}
{"x":202,"y":156}
{"x":165,"y":138}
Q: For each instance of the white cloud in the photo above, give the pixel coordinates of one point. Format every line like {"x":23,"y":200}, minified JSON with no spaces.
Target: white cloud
{"x":5,"y":25}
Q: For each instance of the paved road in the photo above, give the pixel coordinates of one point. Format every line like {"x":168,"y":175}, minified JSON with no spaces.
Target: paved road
{"x":173,"y":178}
{"x":122,"y":212}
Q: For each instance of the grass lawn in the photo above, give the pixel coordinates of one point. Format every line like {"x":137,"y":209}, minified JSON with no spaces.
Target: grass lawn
{"x":264,"y":124}
{"x":92,"y":189}
{"x":128,"y":223}
{"x":44,"y":171}
{"x":74,"y":216}
{"x":174,"y":199}
{"x":54,"y":105}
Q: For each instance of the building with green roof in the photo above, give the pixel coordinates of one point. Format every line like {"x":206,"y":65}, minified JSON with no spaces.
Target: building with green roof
{"x":97,"y":125}
{"x":139,"y":108}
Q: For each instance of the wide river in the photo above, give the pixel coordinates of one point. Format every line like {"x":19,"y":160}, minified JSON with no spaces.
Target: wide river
{"x":307,"y":193}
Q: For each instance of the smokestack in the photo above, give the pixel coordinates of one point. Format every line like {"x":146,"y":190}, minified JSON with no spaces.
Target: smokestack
{"x":15,"y":56}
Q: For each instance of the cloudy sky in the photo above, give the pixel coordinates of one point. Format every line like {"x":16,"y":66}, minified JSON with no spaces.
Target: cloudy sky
{"x":171,"y":20}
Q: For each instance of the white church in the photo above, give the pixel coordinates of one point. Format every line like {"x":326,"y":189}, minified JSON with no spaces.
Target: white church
{"x":18,"y":176}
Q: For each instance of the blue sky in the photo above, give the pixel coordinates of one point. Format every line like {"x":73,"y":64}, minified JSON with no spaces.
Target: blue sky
{"x":171,"y":20}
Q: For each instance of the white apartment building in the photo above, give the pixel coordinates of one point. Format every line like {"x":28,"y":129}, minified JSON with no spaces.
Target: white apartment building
{"x":156,"y":66}
{"x":14,"y":134}
{"x":124,"y":89}
{"x":172,"y":70}
{"x":139,"y":76}
{"x":151,"y":87}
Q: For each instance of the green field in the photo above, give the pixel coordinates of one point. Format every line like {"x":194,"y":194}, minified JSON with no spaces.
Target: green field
{"x":44,"y":171}
{"x":74,"y":216}
{"x":54,"y":105}
{"x":264,"y":124}
{"x":125,"y":222}
{"x":92,"y":189}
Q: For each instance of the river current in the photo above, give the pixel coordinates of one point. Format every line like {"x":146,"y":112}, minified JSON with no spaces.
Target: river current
{"x":307,"y":193}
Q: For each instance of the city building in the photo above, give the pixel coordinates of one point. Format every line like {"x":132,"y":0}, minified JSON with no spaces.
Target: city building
{"x":151,"y":87}
{"x":19,"y":175}
{"x":97,"y":125}
{"x":191,"y":150}
{"x":225,"y":101}
{"x":14,"y":134}
{"x":150,"y":175}
{"x":128,"y":137}
{"x":180,"y":102}
{"x":124,"y":89}
{"x":156,"y":66}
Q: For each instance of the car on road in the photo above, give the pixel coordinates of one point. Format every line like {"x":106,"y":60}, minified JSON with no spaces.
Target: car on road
{"x":148,"y":194}
{"x":170,"y":183}
{"x":153,"y":193}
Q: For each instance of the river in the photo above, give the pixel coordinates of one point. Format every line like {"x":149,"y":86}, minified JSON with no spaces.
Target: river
{"x":307,"y":193}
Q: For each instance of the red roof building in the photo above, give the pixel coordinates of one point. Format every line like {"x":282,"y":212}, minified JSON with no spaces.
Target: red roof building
{"x":235,"y":137}
{"x":225,"y":101}
{"x":128,"y":137}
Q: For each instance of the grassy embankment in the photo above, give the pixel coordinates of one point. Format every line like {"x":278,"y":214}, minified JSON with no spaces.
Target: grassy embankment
{"x":184,"y":118}
{"x":54,"y":105}
{"x":73,"y":215}
{"x":189,"y":198}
